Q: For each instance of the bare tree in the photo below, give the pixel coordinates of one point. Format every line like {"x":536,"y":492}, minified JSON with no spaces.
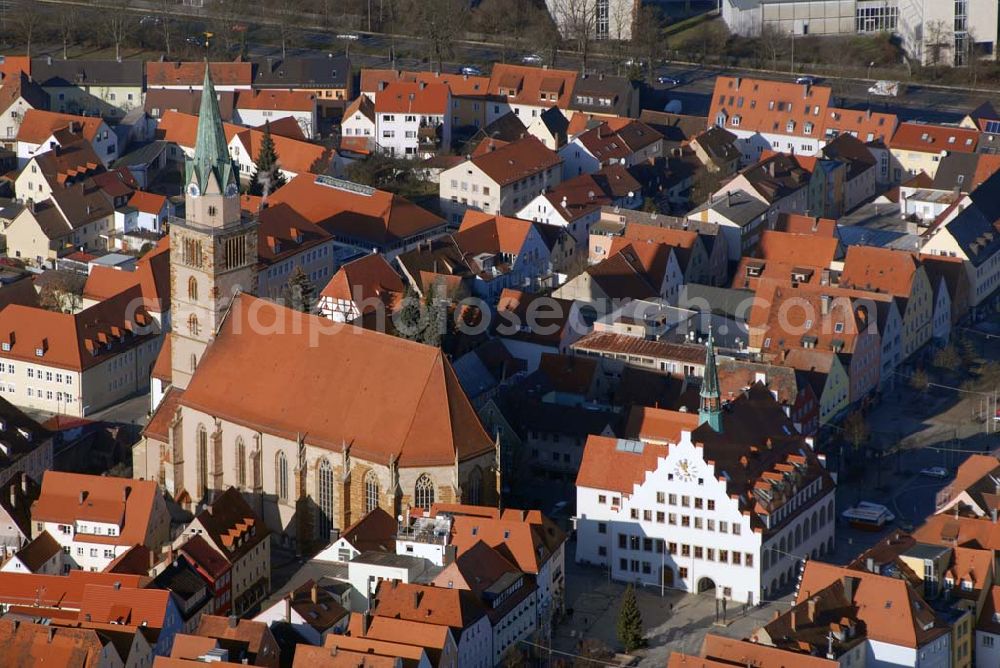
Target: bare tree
{"x":435,"y":22}
{"x":166,"y":9}
{"x":27,"y":17}
{"x":541,"y":31}
{"x":227,"y":18}
{"x":939,"y":39}
{"x":68,"y":20}
{"x":281,"y":16}
{"x":118,"y":22}
{"x":647,"y":37}
{"x":577,"y":20}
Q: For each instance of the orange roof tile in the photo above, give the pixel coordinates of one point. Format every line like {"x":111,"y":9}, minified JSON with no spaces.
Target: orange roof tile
{"x":770,"y":107}
{"x":866,"y":125}
{"x":657,"y":425}
{"x":517,"y":160}
{"x":395,"y":398}
{"x":151,"y":275}
{"x":373,"y":218}
{"x":449,"y":607}
{"x":172,"y":73}
{"x":608,"y":464}
{"x":529,"y":84}
{"x":734,"y":652}
{"x":365,"y":278}
{"x":28,"y":643}
{"x":60,"y":591}
{"x":934,"y":138}
{"x":279,"y":100}
{"x":880,"y":270}
{"x":404,"y":97}
{"x":39,"y":125}
{"x":69,"y":497}
{"x":148,"y":202}
{"x":118,"y":605}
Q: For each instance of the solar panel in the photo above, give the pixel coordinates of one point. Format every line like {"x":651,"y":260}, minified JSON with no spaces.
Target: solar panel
{"x":993,"y":127}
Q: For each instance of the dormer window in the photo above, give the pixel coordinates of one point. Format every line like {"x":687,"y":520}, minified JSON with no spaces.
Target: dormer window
{"x":808,"y":129}
{"x":790,"y":127}
{"x":5,"y":346}
{"x":838,"y":328}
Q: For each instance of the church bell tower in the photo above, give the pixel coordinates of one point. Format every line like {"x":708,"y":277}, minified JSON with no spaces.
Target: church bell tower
{"x":213,"y":249}
{"x":710,"y":410}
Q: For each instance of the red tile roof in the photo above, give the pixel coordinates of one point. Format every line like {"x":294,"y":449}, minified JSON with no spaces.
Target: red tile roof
{"x":607,"y":465}
{"x":148,"y":202}
{"x":866,"y":125}
{"x":395,"y":398}
{"x":39,"y":125}
{"x":60,"y":591}
{"x":880,"y":270}
{"x":151,"y":276}
{"x":279,"y":100}
{"x":404,"y":97}
{"x":517,"y":160}
{"x":70,"y":497}
{"x":928,"y":138}
{"x":770,"y":106}
{"x":370,"y":277}
{"x":529,"y":84}
{"x":193,"y":73}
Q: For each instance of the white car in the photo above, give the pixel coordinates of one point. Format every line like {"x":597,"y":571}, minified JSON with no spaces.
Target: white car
{"x":531,"y":59}
{"x":935,"y":472}
{"x":472,"y":71}
{"x":353,"y":36}
{"x":807,"y":80}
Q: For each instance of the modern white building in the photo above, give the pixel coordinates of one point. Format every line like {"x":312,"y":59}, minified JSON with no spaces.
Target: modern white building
{"x":698,"y":502}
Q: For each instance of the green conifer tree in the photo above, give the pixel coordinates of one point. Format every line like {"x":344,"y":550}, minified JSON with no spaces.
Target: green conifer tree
{"x":629,"y":626}
{"x":266,"y":172}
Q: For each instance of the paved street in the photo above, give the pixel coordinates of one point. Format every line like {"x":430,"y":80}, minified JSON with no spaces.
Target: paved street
{"x":918,"y":102}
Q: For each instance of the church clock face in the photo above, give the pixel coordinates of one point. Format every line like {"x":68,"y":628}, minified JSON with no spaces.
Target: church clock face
{"x":232,"y":190}
{"x":685,"y":470}
{"x":193,"y":190}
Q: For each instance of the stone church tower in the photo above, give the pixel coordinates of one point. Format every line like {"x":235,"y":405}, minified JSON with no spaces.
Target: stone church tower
{"x":213,"y":251}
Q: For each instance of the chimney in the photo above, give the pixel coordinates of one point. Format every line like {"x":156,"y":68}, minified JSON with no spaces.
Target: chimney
{"x":849,"y":584}
{"x":152,"y":559}
{"x":117,"y":585}
{"x":83,"y":497}
{"x":126,"y":492}
{"x":24,"y":484}
{"x":870,"y":564}
{"x":824,"y":304}
{"x":365,"y":620}
{"x":52,"y":629}
{"x":811,"y":609}
{"x":233,"y":621}
{"x":794,"y":615}
{"x":13,"y":497}
{"x":417,"y":595}
{"x":314,"y":594}
{"x":288,"y":609}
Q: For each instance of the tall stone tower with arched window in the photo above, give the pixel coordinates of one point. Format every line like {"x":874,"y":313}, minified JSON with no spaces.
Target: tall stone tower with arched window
{"x":213,"y":249}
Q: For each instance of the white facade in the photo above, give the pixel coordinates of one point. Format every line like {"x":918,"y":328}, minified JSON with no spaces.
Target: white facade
{"x":941,"y":315}
{"x":577,"y":158}
{"x":398,"y":134}
{"x":541,"y":210}
{"x":104,"y":143}
{"x":358,"y":125}
{"x":284,"y":611}
{"x":984,"y":278}
{"x":319,"y":263}
{"x":255,"y":118}
{"x":245,"y":161}
{"x":364,"y":575}
{"x":10,"y":120}
{"x":466,"y":186}
{"x":680,"y":529}
{"x":517,"y":624}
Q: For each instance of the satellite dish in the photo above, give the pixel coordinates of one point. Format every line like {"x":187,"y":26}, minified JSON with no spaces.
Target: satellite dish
{"x":631,"y":194}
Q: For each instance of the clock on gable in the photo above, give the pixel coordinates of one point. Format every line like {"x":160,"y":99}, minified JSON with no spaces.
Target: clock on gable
{"x":685,"y":470}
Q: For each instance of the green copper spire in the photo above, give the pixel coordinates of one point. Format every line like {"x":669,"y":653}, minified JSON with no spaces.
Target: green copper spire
{"x":711,"y":403}
{"x":211,"y":151}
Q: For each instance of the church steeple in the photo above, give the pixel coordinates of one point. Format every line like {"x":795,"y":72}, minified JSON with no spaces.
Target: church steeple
{"x":710,"y":410}
{"x":211,"y":151}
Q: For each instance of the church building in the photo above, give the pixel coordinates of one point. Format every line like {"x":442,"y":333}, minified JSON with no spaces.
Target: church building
{"x":317,"y":423}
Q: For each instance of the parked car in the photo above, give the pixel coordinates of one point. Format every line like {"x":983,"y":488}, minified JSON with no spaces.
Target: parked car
{"x":472,"y":71}
{"x":935,"y":472}
{"x":149,"y":20}
{"x":531,"y":59}
{"x":352,"y":36}
{"x":635,"y":62}
{"x":806,"y":80}
{"x":885,"y":88}
{"x":668,"y":81}
{"x":195,"y":40}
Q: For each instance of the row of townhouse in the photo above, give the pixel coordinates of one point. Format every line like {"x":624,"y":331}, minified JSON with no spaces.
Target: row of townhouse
{"x":113,"y":88}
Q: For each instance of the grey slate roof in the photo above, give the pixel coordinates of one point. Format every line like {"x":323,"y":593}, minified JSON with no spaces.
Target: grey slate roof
{"x":300,"y":72}
{"x":739,"y":207}
{"x":51,"y":72}
{"x":977,"y":228}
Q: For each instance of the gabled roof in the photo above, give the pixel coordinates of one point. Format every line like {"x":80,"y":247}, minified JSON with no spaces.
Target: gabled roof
{"x":277,"y":100}
{"x":405,"y":97}
{"x":739,"y":207}
{"x":880,"y":270}
{"x":173,"y":73}
{"x":147,"y":202}
{"x":51,"y":72}
{"x":38,"y":125}
{"x":395,"y":398}
{"x":867,"y":126}
{"x":20,"y":85}
{"x":455,"y":608}
{"x":232,"y":525}
{"x":892,"y":611}
{"x":364,"y":216}
{"x":327,"y":71}
{"x":528,"y":84}
{"x":68,"y":162}
{"x":527,"y":538}
{"x":67,"y":498}
{"x":487,"y":233}
{"x":618,"y":139}
{"x":257,"y":636}
{"x":75,"y":341}
{"x":928,"y":138}
{"x":976,"y":228}
{"x":770,"y":107}
{"x":365,"y":278}
{"x":375,"y":532}
{"x":110,"y":604}
{"x":362,"y":104}
{"x":37,"y":553}
{"x":517,"y":160}
{"x":159,"y":101}
{"x":151,"y":276}
{"x":35,"y":644}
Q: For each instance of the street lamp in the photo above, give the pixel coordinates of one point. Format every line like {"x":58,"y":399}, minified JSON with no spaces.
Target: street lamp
{"x":870,"y":66}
